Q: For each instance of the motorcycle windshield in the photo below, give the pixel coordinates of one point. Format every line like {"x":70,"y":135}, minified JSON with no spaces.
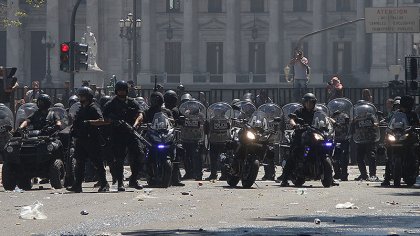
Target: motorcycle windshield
{"x":341,"y":105}
{"x":322,"y":107}
{"x":365,"y":121}
{"x":287,"y":110}
{"x":322,"y":122}
{"x":6,"y":118}
{"x":61,"y":114}
{"x":142,"y":104}
{"x":247,"y":109}
{"x":161,"y":122}
{"x":24,"y":112}
{"x":258,"y":120}
{"x":399,"y":121}
{"x":193,"y":109}
{"x":271,"y":111}
{"x":219,"y":111}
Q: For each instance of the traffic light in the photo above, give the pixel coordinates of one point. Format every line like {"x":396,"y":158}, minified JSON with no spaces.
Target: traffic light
{"x":65,"y":57}
{"x":412,"y":73}
{"x":80,"y":56}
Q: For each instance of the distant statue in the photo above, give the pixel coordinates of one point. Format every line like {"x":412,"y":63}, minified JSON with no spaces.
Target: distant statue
{"x":90,"y":40}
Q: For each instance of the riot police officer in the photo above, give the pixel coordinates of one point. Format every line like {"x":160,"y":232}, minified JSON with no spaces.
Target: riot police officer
{"x":171,"y":100}
{"x":121,"y":108}
{"x":72,"y":100}
{"x":306,"y":115}
{"x":87,"y":140}
{"x":38,"y":119}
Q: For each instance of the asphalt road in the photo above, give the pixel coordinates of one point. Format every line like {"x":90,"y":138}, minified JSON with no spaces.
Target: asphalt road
{"x":215,"y":209}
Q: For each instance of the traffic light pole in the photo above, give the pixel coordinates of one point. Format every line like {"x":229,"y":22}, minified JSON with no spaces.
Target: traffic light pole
{"x":134,"y":60}
{"x":72,"y":40}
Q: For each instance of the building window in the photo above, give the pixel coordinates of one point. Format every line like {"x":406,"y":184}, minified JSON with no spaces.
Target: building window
{"x":300,"y":5}
{"x":342,"y":57}
{"x":173,"y":5}
{"x":3,"y":48}
{"x":257,"y":6}
{"x":215,"y":61}
{"x":257,"y":61}
{"x":215,"y":6}
{"x":343,"y":5}
{"x":173,"y":61}
{"x":38,"y":56}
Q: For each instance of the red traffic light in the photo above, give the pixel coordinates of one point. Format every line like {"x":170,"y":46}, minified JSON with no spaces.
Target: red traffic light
{"x":65,"y":48}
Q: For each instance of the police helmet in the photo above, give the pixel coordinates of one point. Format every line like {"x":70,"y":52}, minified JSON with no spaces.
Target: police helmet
{"x":170,"y":97}
{"x":234,"y":101}
{"x":309,"y":97}
{"x":85,"y":92}
{"x":156,"y":99}
{"x":43,"y":102}
{"x":121,"y":86}
{"x":407,"y":102}
{"x":59,"y":105}
{"x":186,"y":97}
{"x":103,"y":100}
{"x":72,"y":100}
{"x":180,"y":87}
{"x":248,"y":97}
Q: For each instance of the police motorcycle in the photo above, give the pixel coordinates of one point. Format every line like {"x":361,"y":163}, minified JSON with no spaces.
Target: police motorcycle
{"x":219,"y":123}
{"x":6,"y":126}
{"x":34,"y":153}
{"x":192,"y":136}
{"x":160,"y":150}
{"x":402,"y":143}
{"x":341,"y":112}
{"x":315,"y":150}
{"x":248,"y":147}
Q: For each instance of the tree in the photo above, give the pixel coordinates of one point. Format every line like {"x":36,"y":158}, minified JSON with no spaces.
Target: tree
{"x":19,"y":15}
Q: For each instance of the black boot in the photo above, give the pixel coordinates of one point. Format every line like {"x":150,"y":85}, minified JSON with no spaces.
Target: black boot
{"x":104,"y":187}
{"x":134,"y":184}
{"x":212,"y":177}
{"x":75,"y":189}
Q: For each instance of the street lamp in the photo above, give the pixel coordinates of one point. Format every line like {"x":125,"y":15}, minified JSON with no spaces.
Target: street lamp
{"x":49,"y":44}
{"x":128,"y":30}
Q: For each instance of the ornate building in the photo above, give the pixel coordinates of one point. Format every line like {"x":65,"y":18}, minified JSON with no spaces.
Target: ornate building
{"x":209,"y":43}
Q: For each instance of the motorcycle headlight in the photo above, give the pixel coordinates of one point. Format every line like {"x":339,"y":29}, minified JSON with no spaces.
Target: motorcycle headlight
{"x":318,"y":137}
{"x":250,"y":135}
{"x":50,"y":147}
{"x":391,"y":138}
{"x":9,"y":149}
{"x":404,"y":137}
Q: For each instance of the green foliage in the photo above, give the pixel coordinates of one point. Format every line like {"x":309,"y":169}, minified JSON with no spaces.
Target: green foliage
{"x":5,"y":21}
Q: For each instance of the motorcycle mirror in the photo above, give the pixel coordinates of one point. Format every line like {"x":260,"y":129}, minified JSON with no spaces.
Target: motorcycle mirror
{"x":379,"y":113}
{"x":336,"y":113}
{"x":277,"y":119}
{"x":300,"y":120}
{"x":182,"y":120}
{"x":292,"y":116}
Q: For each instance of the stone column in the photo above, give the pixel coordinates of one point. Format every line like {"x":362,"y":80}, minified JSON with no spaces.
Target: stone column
{"x":232,"y":44}
{"x":15,"y":45}
{"x":379,"y":71}
{"x":273,"y":50}
{"x":318,"y":49}
{"x":147,"y":13}
{"x":53,"y":30}
{"x":190,"y":41}
{"x":360,"y":68}
{"x":92,"y":15}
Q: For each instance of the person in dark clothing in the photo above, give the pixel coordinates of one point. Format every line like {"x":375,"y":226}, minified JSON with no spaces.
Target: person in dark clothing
{"x":306,"y":115}
{"x":171,"y":100}
{"x":87,"y":140}
{"x":123,"y":108}
{"x":406,"y":106}
{"x":38,"y":119}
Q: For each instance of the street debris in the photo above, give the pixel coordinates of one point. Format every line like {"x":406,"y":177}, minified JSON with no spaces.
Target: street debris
{"x":18,"y":190}
{"x":317,"y":221}
{"x":32,"y":212}
{"x":84,"y":213}
{"x":347,"y":205}
{"x":392,"y":203}
{"x":301,"y":191}
{"x":185,"y":193}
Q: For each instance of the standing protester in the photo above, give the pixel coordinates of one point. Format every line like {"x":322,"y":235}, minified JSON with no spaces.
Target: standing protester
{"x":33,"y":94}
{"x":335,"y":89}
{"x":125,"y":109}
{"x":7,"y":90}
{"x":171,"y":100}
{"x":301,"y":71}
{"x":366,"y":95}
{"x":132,"y":93}
{"x":87,"y":140}
{"x":262,"y":98}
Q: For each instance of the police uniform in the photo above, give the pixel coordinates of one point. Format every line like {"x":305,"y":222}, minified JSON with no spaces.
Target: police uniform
{"x":87,"y":143}
{"x":122,"y":140}
{"x":39,"y":120}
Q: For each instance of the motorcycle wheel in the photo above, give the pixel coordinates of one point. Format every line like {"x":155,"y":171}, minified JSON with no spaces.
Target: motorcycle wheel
{"x":8,"y":177}
{"x":166,"y":169}
{"x":70,"y":170}
{"x":327,"y":175}
{"x":232,"y":180}
{"x":412,"y":167}
{"x":56,"y":174}
{"x":248,"y":179}
{"x":298,"y":181}
{"x":397,"y":171}
{"x":25,"y":183}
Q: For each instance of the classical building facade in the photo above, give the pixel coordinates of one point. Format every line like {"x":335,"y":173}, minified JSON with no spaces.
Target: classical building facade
{"x":209,"y":43}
